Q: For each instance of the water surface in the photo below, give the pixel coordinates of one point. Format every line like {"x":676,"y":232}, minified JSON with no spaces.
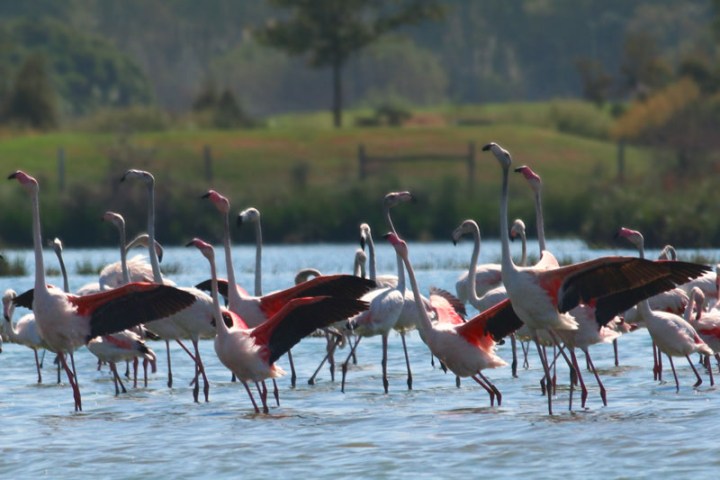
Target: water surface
{"x":435,"y":430}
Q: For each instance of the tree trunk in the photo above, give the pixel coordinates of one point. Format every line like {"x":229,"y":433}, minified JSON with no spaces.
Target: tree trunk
{"x":337,"y":105}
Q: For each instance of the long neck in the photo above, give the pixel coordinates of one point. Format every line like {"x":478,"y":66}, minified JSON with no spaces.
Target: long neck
{"x":157,"y":276}
{"x":220,"y":327}
{"x":123,"y":255}
{"x":523,"y":258}
{"x":424,"y":325}
{"x":233,"y":294}
{"x":372,"y":265}
{"x":63,"y":271}
{"x":540,"y":221}
{"x":389,"y":220}
{"x":258,"y":258}
{"x":40,"y":283}
{"x":11,"y":331}
{"x":472,"y":273}
{"x":507,"y":263}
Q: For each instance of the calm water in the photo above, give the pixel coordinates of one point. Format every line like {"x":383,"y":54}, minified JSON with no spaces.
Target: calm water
{"x":435,"y":430}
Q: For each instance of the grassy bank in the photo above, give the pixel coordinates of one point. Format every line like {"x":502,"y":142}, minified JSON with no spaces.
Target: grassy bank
{"x":303,"y":175}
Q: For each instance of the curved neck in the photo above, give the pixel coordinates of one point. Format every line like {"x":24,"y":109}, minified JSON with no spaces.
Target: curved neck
{"x":40,"y":283}
{"x":389,"y":220}
{"x":220,"y":327}
{"x":63,"y":271}
{"x":157,"y":276}
{"x":507,"y":263}
{"x":359,"y":267}
{"x":540,"y":221}
{"x":472,"y":273}
{"x":11,"y":330}
{"x":258,"y":258}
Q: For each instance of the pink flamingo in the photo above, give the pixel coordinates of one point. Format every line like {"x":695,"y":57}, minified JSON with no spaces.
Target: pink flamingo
{"x":118,"y":347}
{"x":25,"y":331}
{"x":465,"y":348}
{"x":250,"y":353}
{"x":541,"y":295}
{"x":67,"y":321}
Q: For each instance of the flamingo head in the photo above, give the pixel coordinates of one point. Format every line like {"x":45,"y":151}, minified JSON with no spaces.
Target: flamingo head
{"x":395,"y":198}
{"x":633,"y":236}
{"x":143,"y":240}
{"x":57,"y":245}
{"x":205,"y":248}
{"x":517,"y":229}
{"x":249,"y":215}
{"x":502,"y":155}
{"x":220,"y":202}
{"x":668,"y":253}
{"x":8,"y":305}
{"x":365,"y":235}
{"x":114,"y":218}
{"x":147,"y":177}
{"x":28,"y":182}
{"x":398,"y":243}
{"x":305,"y":274}
{"x":468,"y":226}
{"x":533,"y":178}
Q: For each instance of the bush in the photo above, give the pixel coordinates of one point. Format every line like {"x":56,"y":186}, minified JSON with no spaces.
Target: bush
{"x":131,"y":119}
{"x":580,"y":118}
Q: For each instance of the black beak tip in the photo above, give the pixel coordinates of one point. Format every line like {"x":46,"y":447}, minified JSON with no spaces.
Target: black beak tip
{"x":486,"y":147}
{"x":205,"y":195}
{"x":239,"y":221}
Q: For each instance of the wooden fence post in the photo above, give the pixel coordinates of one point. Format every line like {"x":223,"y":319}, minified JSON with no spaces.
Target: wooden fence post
{"x":207,"y":156}
{"x":61,"y":168}
{"x":362,"y":160}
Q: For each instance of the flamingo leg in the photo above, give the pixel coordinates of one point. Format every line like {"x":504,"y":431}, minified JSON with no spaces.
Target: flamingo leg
{"x":578,"y":375}
{"x":492,"y":387}
{"x":514,"y":364}
{"x":117,"y":379}
{"x":276,"y":392}
{"x":249,"y":392}
{"x":544,"y":362}
{"x":345,"y":364}
{"x":615,"y":352}
{"x":603,"y":393}
{"x":167,"y":349}
{"x":708,"y":366}
{"x":73,"y":382}
{"x":136,"y":363}
{"x":330,"y":350}
{"x":525,"y":348}
{"x":699,"y":379}
{"x":263,"y":391}
{"x":38,"y":364}
{"x":677,"y":384}
{"x":293,"y":375}
{"x":386,"y":384}
{"x":200,"y":370}
{"x":407,"y":361}
{"x":487,"y":389}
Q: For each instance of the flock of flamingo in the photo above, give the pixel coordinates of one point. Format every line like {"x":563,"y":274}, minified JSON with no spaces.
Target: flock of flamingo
{"x":558,"y":308}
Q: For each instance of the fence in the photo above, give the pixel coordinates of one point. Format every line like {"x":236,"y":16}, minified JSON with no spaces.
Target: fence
{"x":367,"y":162}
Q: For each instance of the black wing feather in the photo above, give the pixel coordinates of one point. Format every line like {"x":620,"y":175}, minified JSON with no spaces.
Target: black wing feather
{"x":304,"y":319}
{"x":139,"y":307}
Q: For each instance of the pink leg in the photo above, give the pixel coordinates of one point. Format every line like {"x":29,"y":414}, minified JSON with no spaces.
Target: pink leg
{"x":603,"y":393}
{"x":672,"y":365}
{"x":492,"y":387}
{"x":252,"y":399}
{"x":73,"y":382}
{"x":37,"y":364}
{"x":487,"y":389}
{"x":699,"y":379}
{"x":407,"y":361}
{"x":345,"y":364}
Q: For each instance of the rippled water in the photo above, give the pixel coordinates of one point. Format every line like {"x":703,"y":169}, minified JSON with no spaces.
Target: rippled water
{"x":435,"y":430}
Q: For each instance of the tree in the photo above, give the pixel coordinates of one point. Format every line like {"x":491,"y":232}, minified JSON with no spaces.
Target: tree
{"x":32,"y":100}
{"x":329,"y":32}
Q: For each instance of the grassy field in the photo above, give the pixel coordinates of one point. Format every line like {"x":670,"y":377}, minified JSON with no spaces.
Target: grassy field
{"x":302,"y":159}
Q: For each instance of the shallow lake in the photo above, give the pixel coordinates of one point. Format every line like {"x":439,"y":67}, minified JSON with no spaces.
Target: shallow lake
{"x":436,"y":430}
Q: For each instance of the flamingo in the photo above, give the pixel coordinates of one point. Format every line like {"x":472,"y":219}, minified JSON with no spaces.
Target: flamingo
{"x":25,"y":331}
{"x":122,"y":346}
{"x":672,"y":301}
{"x":252,"y":215}
{"x":542,"y":295}
{"x":250,"y":353}
{"x":707,"y":325}
{"x":465,"y":348}
{"x":67,"y":321}
{"x":194,"y":322}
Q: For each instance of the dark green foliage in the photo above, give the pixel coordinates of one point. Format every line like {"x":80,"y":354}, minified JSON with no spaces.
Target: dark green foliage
{"x":86,"y":71}
{"x":31,"y":101}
